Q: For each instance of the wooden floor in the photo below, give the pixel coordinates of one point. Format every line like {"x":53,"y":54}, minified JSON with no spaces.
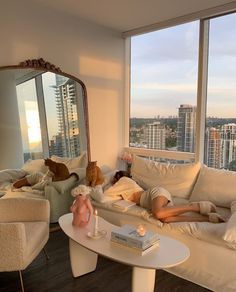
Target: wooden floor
{"x":55,"y":275}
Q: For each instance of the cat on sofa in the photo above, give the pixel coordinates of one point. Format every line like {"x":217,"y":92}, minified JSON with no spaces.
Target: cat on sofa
{"x":59,"y":170}
{"x":94,"y":174}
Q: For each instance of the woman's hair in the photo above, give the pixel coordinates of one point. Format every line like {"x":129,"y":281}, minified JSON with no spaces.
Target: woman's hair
{"x":119,"y":174}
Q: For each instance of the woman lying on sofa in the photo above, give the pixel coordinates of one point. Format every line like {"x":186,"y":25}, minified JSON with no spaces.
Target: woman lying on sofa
{"x":159,"y":201}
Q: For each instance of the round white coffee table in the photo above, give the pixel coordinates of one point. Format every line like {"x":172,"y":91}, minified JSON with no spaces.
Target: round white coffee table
{"x":85,"y":250}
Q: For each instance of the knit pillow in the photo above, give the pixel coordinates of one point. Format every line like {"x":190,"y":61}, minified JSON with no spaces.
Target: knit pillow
{"x":178,"y":179}
{"x":215,"y":185}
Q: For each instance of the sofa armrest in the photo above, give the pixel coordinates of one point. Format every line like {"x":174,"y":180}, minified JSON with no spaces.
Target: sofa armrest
{"x":230,"y":232}
{"x":24,"y":209}
{"x":12,"y":246}
{"x":63,"y":185}
{"x":11,"y":175}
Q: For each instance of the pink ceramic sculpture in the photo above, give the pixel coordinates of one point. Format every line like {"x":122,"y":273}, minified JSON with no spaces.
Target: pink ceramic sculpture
{"x":82,"y":210}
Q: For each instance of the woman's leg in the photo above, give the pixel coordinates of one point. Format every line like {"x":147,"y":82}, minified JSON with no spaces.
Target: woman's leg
{"x":29,"y":180}
{"x":184,"y":218}
{"x":21,"y":183}
{"x":166,"y":213}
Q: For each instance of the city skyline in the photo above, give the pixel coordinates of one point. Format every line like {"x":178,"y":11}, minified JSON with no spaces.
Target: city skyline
{"x":219,"y":144}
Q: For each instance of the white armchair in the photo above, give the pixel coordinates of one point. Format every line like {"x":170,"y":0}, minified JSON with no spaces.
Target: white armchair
{"x":24,"y":231}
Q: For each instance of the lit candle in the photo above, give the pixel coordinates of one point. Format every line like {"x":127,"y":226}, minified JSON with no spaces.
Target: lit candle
{"x":141,"y":230}
{"x":95,"y":232}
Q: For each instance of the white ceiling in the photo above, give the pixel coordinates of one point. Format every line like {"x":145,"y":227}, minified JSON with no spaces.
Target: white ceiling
{"x":125,"y":15}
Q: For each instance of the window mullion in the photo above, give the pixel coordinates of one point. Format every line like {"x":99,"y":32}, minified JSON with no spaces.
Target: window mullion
{"x":202,"y":89}
{"x":127,"y":91}
{"x":42,"y":115}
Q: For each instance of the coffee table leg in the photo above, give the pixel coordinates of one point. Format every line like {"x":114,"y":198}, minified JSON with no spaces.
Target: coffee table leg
{"x":143,"y":280}
{"x":82,"y":260}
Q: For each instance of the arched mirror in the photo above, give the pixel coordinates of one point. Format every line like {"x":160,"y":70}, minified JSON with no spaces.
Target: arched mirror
{"x":43,"y":112}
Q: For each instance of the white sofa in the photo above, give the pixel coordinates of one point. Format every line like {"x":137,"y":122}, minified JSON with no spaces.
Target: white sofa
{"x":212,"y":263}
{"x":57,"y":193}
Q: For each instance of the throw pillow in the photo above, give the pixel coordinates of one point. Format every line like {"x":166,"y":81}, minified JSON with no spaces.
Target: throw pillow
{"x":215,"y":185}
{"x":72,"y":163}
{"x":36,"y":165}
{"x":178,"y":179}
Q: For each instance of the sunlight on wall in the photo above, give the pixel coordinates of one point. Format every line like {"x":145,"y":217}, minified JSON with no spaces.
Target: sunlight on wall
{"x":24,"y":50}
{"x":106,"y":123}
{"x":33,"y":124}
{"x":100,"y":68}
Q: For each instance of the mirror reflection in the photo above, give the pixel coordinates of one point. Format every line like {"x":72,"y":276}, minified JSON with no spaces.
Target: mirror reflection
{"x":42,"y":114}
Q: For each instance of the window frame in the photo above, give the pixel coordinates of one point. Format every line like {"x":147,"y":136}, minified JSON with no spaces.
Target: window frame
{"x":204,"y":23}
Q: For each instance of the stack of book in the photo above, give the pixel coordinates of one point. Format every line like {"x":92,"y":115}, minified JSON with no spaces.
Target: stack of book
{"x":127,"y":236}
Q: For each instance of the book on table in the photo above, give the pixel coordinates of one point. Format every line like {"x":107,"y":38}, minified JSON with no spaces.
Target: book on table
{"x":129,"y":236}
{"x":136,"y":250}
{"x":123,"y":204}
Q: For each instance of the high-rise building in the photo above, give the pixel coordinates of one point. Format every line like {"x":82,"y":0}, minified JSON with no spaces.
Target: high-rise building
{"x":155,"y":136}
{"x":228,"y":144}
{"x":212,"y":153}
{"x":186,"y":128}
{"x":67,"y":116}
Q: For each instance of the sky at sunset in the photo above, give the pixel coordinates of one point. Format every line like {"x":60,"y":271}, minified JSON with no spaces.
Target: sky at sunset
{"x":164,"y":69}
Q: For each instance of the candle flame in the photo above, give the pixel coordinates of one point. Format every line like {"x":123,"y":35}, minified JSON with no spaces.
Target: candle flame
{"x":95,"y":212}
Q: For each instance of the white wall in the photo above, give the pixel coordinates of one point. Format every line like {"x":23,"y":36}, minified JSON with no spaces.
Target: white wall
{"x":10,"y":145}
{"x":92,"y":53}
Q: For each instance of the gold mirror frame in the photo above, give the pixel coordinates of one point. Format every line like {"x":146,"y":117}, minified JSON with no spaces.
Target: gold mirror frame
{"x":42,"y":65}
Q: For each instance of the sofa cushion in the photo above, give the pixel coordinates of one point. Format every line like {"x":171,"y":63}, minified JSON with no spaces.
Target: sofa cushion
{"x":215,"y":185}
{"x":230,"y":232}
{"x":36,"y":165}
{"x":205,"y":231}
{"x":178,"y":179}
{"x":72,"y":163}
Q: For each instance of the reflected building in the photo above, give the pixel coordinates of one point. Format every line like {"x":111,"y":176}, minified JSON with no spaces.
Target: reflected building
{"x":66,"y":143}
{"x":186,"y":128}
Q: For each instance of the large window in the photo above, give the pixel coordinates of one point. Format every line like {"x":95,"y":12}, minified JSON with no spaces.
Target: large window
{"x":220,"y":137}
{"x":164,"y":89}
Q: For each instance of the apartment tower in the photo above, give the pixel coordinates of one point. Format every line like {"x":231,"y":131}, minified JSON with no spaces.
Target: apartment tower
{"x":186,"y":128}
{"x":156,"y":136}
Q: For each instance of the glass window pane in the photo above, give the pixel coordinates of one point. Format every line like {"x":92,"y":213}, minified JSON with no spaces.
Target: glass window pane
{"x":61,"y":105}
{"x":29,"y":120}
{"x":164,"y":88}
{"x":220,"y":136}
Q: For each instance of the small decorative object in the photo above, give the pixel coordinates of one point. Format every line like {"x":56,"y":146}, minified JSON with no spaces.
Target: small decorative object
{"x":94,"y":174}
{"x":141,"y":230}
{"x":81,"y":207}
{"x":96,"y":234}
{"x":81,"y":190}
{"x":127,"y":158}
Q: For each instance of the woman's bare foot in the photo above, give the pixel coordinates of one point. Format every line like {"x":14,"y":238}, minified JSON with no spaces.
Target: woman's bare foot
{"x":215,"y":218}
